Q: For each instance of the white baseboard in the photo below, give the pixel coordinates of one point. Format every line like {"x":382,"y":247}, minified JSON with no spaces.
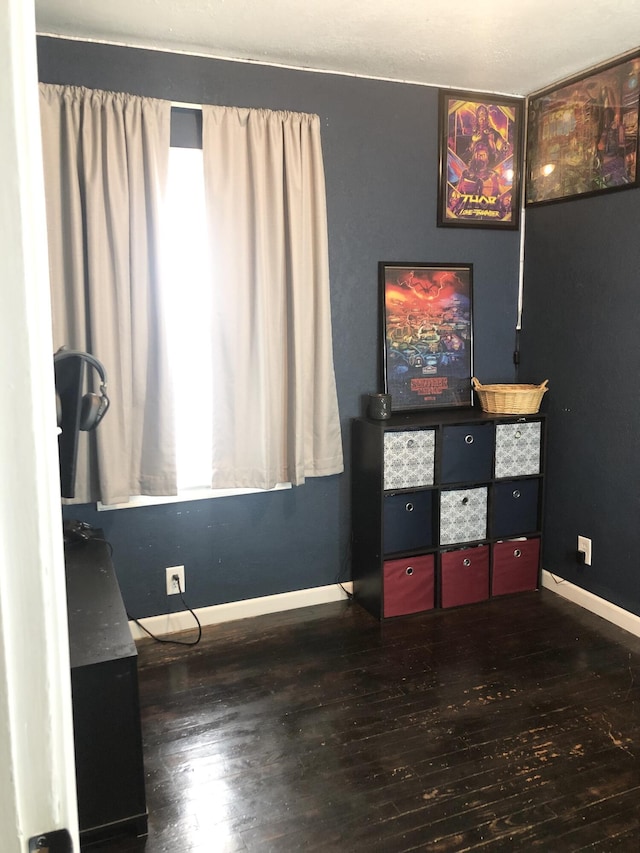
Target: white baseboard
{"x":170,"y":623}
{"x":611,"y":612}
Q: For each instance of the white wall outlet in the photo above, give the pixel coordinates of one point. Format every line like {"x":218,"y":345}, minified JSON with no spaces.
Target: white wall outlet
{"x":174,"y":587}
{"x":584,"y":546}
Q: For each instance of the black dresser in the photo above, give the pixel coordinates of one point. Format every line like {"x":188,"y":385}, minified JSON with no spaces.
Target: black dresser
{"x":106,"y":709}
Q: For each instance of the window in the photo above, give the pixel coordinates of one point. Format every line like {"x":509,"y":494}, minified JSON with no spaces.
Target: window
{"x":187,"y":274}
{"x":186,"y":266}
{"x":270,"y":335}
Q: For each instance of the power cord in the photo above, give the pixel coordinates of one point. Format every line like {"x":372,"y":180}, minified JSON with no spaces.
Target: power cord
{"x":346,"y":591}
{"x":164,"y":639}
{"x":342,"y":570}
{"x":79,"y":533}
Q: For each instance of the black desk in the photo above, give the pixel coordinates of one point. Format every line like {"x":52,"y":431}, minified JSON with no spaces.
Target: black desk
{"x":106,"y":709}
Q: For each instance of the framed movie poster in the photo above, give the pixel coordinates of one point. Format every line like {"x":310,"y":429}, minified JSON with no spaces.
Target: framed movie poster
{"x":582,"y":136}
{"x":427,"y":330}
{"x":480,"y":160}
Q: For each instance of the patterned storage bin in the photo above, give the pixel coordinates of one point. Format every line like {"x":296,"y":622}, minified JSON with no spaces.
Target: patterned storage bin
{"x":518,"y":449}
{"x":463,"y":515}
{"x":409,"y":458}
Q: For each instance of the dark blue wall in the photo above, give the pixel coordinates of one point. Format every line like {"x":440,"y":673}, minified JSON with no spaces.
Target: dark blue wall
{"x":581,"y":330}
{"x":381,"y":158}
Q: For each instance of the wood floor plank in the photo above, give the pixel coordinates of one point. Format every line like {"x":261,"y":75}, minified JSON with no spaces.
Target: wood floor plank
{"x":509,"y":725}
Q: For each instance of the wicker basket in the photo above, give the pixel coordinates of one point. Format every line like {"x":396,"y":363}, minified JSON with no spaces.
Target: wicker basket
{"x":510,"y":399}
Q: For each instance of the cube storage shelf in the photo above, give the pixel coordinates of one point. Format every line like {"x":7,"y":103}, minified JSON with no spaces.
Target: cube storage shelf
{"x":446,"y":508}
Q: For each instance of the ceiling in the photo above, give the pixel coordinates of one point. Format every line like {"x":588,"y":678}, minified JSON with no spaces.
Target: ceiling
{"x":506,"y":46}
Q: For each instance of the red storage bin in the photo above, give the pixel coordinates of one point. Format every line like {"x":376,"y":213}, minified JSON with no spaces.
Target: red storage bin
{"x":409,"y":585}
{"x":464,"y":576}
{"x":515,"y":566}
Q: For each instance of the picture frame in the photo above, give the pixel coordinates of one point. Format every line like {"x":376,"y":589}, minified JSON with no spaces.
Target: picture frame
{"x":582,"y":134}
{"x":427,"y":334}
{"x":480,"y":160}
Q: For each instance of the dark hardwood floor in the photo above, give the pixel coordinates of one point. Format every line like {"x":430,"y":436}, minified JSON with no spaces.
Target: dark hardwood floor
{"x":509,"y":725}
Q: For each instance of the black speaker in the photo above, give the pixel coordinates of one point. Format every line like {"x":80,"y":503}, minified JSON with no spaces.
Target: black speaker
{"x":93,"y":406}
{"x":379,"y":406}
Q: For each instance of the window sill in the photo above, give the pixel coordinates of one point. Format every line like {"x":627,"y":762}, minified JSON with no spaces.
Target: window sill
{"x":187,"y":495}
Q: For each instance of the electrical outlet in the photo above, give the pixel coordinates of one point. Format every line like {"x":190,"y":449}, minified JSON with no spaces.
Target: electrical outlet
{"x":584,"y":547}
{"x":175,"y":586}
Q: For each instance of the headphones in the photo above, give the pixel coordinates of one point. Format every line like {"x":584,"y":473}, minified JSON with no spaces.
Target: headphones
{"x":94,"y":407}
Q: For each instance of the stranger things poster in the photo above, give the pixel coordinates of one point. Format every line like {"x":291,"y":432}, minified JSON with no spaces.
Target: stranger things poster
{"x":480,"y":160}
{"x":427,"y":328}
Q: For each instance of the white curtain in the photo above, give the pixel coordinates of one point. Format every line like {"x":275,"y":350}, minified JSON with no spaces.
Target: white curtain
{"x":105,"y":163}
{"x":275,"y":404}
